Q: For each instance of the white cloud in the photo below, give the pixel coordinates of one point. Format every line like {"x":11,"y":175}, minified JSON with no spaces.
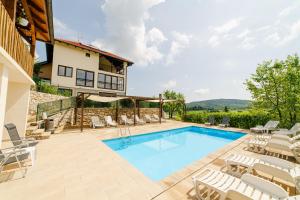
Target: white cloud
{"x":263,"y":28}
{"x":248,"y":43}
{"x":170,"y":84}
{"x":155,"y":36}
{"x":214,"y":41}
{"x":126,"y":32}
{"x":179,"y":43}
{"x":272,"y":39}
{"x":202,"y":91}
{"x":293,"y":34}
{"x":222,"y":32}
{"x":243,"y":34}
{"x":62,"y":30}
{"x":228,"y":26}
{"x":287,"y":11}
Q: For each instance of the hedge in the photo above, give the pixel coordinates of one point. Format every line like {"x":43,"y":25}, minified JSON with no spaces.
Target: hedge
{"x":243,"y":119}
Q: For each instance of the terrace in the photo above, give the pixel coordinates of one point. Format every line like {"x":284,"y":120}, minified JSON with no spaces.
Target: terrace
{"x":88,"y":169}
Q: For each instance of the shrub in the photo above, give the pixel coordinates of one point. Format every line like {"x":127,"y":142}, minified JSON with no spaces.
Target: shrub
{"x":244,"y":119}
{"x":50,"y":89}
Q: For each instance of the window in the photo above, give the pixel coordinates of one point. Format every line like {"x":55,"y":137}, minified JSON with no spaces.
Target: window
{"x":120,"y":83}
{"x":101,"y":81}
{"x":84,"y":78}
{"x":107,"y":82}
{"x":87,"y":54}
{"x":114,"y":82}
{"x":110,"y":82}
{"x":64,"y":71}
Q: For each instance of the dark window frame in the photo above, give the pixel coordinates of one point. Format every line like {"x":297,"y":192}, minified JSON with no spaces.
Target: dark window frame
{"x":85,"y":79}
{"x":104,"y":83}
{"x":123,"y":85}
{"x":65,"y":71}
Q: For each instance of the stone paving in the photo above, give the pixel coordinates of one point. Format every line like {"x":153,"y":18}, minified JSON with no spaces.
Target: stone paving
{"x":78,"y":165}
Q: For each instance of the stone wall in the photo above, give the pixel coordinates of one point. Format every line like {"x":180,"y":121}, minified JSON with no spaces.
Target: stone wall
{"x":101,"y":112}
{"x":63,"y":119}
{"x":40,"y":97}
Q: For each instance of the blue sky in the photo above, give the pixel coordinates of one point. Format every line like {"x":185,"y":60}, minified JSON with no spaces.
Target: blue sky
{"x":202,"y":48}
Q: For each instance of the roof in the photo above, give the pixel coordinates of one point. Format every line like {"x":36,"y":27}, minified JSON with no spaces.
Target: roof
{"x":94,"y":49}
{"x":39,"y":14}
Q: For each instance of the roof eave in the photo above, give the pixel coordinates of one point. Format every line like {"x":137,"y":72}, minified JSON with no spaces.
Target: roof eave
{"x":50,"y":20}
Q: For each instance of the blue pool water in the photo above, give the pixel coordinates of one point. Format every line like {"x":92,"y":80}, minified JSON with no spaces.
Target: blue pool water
{"x":159,"y":154}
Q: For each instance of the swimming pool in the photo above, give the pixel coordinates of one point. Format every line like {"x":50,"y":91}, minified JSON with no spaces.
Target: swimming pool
{"x":159,"y":154}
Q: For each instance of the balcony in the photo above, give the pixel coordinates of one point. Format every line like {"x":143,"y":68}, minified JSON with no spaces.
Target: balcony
{"x":12,"y":42}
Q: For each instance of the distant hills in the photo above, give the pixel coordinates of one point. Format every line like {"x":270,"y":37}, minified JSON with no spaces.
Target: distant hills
{"x":218,"y":104}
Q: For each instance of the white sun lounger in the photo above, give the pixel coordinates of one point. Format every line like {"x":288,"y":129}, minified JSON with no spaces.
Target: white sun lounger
{"x":124,"y":120}
{"x":268,"y":127}
{"x":138,"y":120}
{"x":155,"y":116}
{"x":238,"y":164}
{"x":109,"y":121}
{"x":96,"y":123}
{"x":277,"y":137}
{"x":249,"y":185}
{"x":292,"y":131}
{"x":259,"y":142}
{"x":150,"y":119}
{"x":236,"y":195}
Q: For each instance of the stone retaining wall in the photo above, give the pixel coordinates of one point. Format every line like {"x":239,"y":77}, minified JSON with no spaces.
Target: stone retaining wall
{"x":101,"y":112}
{"x":40,"y":97}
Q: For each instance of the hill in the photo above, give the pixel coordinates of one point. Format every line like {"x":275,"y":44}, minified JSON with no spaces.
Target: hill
{"x":218,"y":104}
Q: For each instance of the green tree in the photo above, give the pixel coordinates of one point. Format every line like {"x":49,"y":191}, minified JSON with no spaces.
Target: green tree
{"x":175,"y":106}
{"x":226,"y":109}
{"x":275,"y":87}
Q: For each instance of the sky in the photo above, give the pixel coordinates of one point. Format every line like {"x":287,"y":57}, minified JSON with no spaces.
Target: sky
{"x":205,"y":49}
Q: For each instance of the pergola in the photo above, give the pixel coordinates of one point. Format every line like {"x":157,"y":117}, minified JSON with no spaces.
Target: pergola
{"x":107,"y":97}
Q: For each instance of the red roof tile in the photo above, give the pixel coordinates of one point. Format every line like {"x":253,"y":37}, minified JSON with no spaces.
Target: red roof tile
{"x":94,"y":49}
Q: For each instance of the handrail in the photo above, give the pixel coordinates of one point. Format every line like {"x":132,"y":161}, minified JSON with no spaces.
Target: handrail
{"x":12,"y":42}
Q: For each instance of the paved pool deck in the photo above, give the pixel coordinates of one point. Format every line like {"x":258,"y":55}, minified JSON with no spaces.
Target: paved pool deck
{"x":74,"y":165}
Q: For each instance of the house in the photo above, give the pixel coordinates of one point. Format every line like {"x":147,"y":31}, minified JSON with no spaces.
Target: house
{"x":77,"y":67}
{"x":22,"y":23}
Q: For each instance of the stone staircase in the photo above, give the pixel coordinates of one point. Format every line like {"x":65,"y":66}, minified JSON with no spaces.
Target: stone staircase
{"x":34,"y":130}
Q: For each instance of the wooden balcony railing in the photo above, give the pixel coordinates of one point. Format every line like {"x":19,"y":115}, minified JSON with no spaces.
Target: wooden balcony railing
{"x":12,"y":42}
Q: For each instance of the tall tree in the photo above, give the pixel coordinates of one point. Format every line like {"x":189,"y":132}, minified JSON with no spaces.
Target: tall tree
{"x":275,"y":87}
{"x":175,"y":106}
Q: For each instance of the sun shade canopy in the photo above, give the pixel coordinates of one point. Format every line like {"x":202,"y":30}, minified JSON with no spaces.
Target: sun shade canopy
{"x":105,"y":99}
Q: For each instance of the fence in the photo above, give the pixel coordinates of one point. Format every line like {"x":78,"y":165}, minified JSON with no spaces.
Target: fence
{"x":54,"y":107}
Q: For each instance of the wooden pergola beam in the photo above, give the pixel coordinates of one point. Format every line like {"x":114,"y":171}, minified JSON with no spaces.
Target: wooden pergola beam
{"x":32,"y":26}
{"x":37,"y":15}
{"x":36,"y":7}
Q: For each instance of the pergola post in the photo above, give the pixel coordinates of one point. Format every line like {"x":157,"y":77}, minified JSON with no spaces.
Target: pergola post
{"x":134,"y":111}
{"x":81,"y":119}
{"x":160,"y":107}
{"x":117,"y":110}
{"x":75,"y":110}
{"x":138,"y":108}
